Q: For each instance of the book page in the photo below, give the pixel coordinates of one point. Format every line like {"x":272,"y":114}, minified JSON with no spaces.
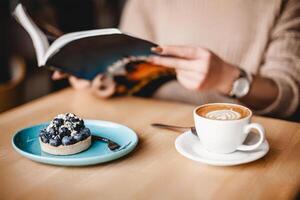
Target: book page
{"x":38,"y":38}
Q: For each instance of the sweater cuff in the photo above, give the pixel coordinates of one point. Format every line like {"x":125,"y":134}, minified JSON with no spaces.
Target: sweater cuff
{"x":287,"y":100}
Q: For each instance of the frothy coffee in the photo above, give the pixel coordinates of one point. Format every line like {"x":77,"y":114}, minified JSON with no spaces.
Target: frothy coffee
{"x":223,"y":115}
{"x":223,"y":112}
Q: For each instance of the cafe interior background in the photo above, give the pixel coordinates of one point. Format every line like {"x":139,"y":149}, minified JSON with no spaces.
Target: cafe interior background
{"x":20,"y":79}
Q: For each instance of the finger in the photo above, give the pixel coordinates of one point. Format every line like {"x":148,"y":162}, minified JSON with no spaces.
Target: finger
{"x":196,"y":78}
{"x":103,"y":87}
{"x":188,"y":52}
{"x":191,"y":74}
{"x":186,"y":82}
{"x":79,"y":84}
{"x":177,"y":63}
{"x":170,"y":62}
{"x":57,"y":75}
{"x":189,"y":83}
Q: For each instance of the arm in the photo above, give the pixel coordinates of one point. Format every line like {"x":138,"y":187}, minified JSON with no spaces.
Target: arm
{"x":263,"y":91}
{"x":282,"y":61}
{"x":200,"y":69}
{"x":275,"y":89}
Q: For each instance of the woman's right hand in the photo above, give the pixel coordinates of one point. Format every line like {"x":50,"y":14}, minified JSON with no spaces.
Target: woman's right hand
{"x":101,"y":86}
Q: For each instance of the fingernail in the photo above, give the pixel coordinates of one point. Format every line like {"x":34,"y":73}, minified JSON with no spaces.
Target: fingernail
{"x":157,"y":50}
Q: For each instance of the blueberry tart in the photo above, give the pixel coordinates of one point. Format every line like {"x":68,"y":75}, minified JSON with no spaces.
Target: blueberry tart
{"x":65,"y":135}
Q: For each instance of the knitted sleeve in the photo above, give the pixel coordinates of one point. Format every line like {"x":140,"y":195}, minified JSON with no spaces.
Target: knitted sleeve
{"x":282,"y":60}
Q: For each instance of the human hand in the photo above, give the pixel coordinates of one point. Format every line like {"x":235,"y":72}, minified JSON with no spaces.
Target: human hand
{"x":101,"y":86}
{"x":197,"y":68}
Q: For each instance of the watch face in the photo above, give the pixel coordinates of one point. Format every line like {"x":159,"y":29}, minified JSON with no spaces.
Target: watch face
{"x":241,"y":87}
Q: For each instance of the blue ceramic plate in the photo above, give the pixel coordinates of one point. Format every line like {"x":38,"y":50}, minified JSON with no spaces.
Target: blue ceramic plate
{"x":27,"y":144}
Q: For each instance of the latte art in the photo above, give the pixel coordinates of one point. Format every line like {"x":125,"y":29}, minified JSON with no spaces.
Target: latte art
{"x":219,"y":111}
{"x":223,"y":115}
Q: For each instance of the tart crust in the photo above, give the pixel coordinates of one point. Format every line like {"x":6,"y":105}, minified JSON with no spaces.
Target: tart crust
{"x":66,"y":149}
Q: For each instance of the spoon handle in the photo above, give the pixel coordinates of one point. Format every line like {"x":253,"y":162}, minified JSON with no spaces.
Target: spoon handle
{"x":171,"y":127}
{"x":103,"y":139}
{"x":96,"y":137}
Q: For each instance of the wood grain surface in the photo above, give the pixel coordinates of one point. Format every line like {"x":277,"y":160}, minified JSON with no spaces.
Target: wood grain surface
{"x":154,"y":170}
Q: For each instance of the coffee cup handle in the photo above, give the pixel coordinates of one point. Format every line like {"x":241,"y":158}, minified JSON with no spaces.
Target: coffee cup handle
{"x":247,"y":130}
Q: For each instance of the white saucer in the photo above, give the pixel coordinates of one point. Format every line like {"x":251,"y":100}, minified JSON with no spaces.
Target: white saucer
{"x":190,"y":146}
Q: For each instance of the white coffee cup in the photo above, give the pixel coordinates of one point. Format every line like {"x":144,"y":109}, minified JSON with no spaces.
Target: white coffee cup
{"x":226,"y":136}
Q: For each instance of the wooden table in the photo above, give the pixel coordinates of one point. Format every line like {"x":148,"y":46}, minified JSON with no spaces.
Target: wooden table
{"x":154,"y":170}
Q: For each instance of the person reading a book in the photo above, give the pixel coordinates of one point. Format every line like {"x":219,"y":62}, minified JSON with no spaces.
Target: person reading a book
{"x":231,"y":51}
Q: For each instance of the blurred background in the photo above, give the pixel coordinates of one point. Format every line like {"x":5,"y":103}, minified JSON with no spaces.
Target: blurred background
{"x":20,"y":78}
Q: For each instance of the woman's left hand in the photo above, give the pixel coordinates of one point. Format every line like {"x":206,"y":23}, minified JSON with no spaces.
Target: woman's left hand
{"x":197,"y":68}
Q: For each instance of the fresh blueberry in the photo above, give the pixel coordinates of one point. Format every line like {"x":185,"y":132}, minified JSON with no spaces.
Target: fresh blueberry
{"x":73,"y":119}
{"x":78,"y":127}
{"x":58,"y":122}
{"x":54,"y":142}
{"x":42,"y":132}
{"x":52,"y":131}
{"x":61,"y":135}
{"x":78,"y":137}
{"x":67,"y":140}
{"x":81,"y":123}
{"x":69,"y":114}
{"x":85,"y":132}
{"x":64,"y":131}
{"x":44,"y":139}
{"x":47,"y":135}
{"x":70,"y":117}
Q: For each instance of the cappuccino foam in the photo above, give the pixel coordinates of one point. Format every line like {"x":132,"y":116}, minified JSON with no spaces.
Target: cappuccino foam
{"x":223,"y":112}
{"x":223,"y":115}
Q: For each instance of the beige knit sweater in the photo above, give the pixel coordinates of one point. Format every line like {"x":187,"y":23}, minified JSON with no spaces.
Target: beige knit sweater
{"x":260,"y":36}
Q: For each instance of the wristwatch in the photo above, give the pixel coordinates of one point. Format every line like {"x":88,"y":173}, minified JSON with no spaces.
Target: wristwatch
{"x":241,"y":86}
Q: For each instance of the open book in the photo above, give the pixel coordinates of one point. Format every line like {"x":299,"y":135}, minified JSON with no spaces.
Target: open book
{"x":86,"y":53}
